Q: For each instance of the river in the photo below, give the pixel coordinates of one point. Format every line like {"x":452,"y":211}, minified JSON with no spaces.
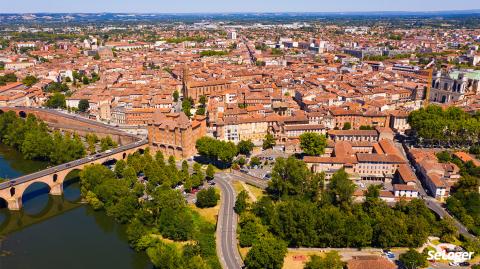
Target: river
{"x":53,"y":232}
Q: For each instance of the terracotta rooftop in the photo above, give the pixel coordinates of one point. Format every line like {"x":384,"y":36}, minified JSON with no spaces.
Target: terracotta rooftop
{"x":370,"y":262}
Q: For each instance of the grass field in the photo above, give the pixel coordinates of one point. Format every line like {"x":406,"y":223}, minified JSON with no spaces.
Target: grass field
{"x":257,"y":192}
{"x":209,"y":214}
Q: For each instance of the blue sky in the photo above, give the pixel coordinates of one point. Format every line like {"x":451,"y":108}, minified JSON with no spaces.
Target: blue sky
{"x":187,"y":6}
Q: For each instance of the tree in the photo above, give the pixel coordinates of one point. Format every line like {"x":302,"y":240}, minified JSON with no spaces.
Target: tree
{"x":251,"y":229}
{"x":57,"y":100}
{"x":449,"y":230}
{"x":200,"y":111}
{"x":165,"y":256}
{"x":120,"y":167}
{"x":57,"y":87}
{"x":202,"y":100}
{"x":186,"y":107}
{"x":266,"y":253}
{"x":341,"y":187}
{"x":254,"y":161}
{"x":373,"y":192}
{"x":366,"y":127}
{"x":29,"y":80}
{"x":241,"y":161}
{"x":216,"y":150}
{"x":331,"y":261}
{"x":85,"y":80}
{"x":7,"y":78}
{"x":269,"y":141}
{"x":452,"y":126}
{"x":290,"y":177}
{"x":207,"y":198}
{"x":413,"y":259}
{"x":444,"y":156}
{"x":347,"y":126}
{"x":176,"y":95}
{"x":313,"y":144}
{"x":83,"y":105}
{"x":92,"y":139}
{"x":107,"y":143}
{"x":241,"y":202}
{"x":245,"y":147}
{"x":210,"y":173}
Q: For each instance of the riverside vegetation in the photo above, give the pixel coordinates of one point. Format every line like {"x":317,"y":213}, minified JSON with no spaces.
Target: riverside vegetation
{"x":157,"y":217}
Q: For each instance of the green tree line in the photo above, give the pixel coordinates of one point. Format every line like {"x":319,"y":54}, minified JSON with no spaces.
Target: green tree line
{"x":7,"y":78}
{"x":32,"y":137}
{"x":464,"y":201}
{"x":301,"y":210}
{"x":445,"y":127}
{"x":152,"y":210}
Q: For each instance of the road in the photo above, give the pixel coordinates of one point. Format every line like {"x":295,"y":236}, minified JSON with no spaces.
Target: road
{"x":439,"y":210}
{"x":69,"y":165}
{"x":227,"y":225}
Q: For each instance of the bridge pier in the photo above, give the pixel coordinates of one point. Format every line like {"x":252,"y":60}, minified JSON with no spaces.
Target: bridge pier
{"x":56,"y":189}
{"x":15,"y":203}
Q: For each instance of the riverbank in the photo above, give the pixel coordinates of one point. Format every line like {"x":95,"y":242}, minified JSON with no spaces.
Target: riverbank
{"x":53,"y":232}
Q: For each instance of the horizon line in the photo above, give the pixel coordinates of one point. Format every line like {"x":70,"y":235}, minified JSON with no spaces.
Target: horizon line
{"x":242,"y":12}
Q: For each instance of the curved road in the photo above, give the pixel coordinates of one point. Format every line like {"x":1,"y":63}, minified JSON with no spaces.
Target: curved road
{"x":227,"y":225}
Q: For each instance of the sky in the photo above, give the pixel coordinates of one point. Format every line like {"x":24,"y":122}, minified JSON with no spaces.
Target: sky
{"x":212,"y":6}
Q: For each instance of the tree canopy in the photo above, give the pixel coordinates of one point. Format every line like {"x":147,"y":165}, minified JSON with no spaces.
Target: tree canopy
{"x":448,"y":127}
{"x":331,"y":260}
{"x":302,"y":210}
{"x":152,"y":211}
{"x":216,"y":150}
{"x":413,"y":259}
{"x":269,"y":141}
{"x":57,"y":100}
{"x":245,"y":147}
{"x":266,"y":253}
{"x":83,"y":105}
{"x":207,"y":198}
{"x":29,"y":80}
{"x":313,"y":144}
{"x":32,"y":137}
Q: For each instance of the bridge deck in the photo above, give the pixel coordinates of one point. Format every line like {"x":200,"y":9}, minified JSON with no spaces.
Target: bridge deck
{"x":69,"y":165}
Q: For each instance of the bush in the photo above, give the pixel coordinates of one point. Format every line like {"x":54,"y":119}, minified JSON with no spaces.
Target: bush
{"x":413,"y":259}
{"x":207,"y":198}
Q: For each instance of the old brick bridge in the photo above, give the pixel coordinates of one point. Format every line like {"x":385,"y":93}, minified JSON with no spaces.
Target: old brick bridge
{"x":12,"y":191}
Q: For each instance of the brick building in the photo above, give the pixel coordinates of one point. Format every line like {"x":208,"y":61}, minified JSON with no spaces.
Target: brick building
{"x":174,"y":134}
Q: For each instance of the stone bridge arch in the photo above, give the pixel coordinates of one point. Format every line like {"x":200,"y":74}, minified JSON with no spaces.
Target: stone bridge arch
{"x":55,"y":181}
{"x":3,"y":203}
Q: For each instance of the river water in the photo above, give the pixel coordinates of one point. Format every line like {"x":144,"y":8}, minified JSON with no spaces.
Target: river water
{"x":53,"y":232}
